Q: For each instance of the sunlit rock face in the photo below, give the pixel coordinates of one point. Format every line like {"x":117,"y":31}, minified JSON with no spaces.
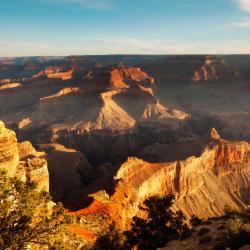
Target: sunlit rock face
{"x":33,"y":166}
{"x":218,"y":176}
{"x":55,"y":73}
{"x":9,"y":158}
{"x":22,"y":160}
{"x":203,"y":185}
{"x":115,"y":78}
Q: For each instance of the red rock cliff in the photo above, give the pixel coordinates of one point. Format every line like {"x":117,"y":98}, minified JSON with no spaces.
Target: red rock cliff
{"x":203,"y":185}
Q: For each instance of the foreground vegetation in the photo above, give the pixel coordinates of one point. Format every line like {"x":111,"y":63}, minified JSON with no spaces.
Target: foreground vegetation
{"x":28,"y":218}
{"x":162,"y":227}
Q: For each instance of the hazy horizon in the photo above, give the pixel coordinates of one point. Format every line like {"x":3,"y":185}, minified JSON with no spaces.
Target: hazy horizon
{"x":90,"y":55}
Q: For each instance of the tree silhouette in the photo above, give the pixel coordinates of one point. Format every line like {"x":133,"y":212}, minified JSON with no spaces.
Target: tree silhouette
{"x":161,"y":225}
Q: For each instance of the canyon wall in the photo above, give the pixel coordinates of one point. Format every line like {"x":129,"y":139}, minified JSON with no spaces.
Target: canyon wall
{"x":203,"y":185}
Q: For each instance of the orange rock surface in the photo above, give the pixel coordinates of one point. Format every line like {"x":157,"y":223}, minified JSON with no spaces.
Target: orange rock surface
{"x":203,"y":185}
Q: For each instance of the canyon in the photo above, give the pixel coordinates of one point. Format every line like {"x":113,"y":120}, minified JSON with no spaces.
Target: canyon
{"x":104,"y":133}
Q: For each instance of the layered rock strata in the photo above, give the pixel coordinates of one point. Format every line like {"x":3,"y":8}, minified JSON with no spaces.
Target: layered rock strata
{"x":9,"y":158}
{"x":203,"y":185}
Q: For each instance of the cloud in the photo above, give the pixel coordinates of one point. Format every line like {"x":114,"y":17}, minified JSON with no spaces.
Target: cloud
{"x":241,"y":24}
{"x":243,"y":4}
{"x":95,"y":4}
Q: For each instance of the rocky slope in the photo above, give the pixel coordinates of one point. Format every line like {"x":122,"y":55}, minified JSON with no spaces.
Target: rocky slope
{"x":203,"y":185}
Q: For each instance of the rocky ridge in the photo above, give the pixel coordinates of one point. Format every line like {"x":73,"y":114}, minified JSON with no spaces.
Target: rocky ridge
{"x":192,"y":69}
{"x":115,"y":98}
{"x":203,"y":185}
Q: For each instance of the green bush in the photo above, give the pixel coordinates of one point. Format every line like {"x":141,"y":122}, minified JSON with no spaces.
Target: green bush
{"x":26,"y":219}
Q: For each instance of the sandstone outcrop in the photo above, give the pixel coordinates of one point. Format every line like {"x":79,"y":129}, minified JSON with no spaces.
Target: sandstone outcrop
{"x":47,"y":71}
{"x":118,"y":77}
{"x":61,"y":75}
{"x":9,"y":158}
{"x":10,"y":86}
{"x":26,"y":149}
{"x":202,"y":185}
{"x":33,"y":166}
{"x":22,"y":160}
{"x":34,"y":170}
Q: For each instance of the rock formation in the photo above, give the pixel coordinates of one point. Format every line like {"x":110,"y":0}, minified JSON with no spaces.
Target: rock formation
{"x":115,"y":98}
{"x":213,"y":70}
{"x":9,"y":86}
{"x":203,"y":185}
{"x":109,"y":101}
{"x":115,"y":78}
{"x":69,"y":170}
{"x":192,"y":69}
{"x":90,"y":113}
{"x":22,"y":160}
{"x":9,"y":158}
{"x":55,"y":73}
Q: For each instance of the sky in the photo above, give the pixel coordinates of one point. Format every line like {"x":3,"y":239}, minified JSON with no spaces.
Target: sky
{"x":88,"y":27}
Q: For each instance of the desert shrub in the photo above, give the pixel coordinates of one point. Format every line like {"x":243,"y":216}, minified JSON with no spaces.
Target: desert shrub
{"x":195,"y":221}
{"x":111,"y":240}
{"x":27,"y":220}
{"x":203,"y":231}
{"x":229,"y":212}
{"x":238,"y":233}
{"x":160,"y":226}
